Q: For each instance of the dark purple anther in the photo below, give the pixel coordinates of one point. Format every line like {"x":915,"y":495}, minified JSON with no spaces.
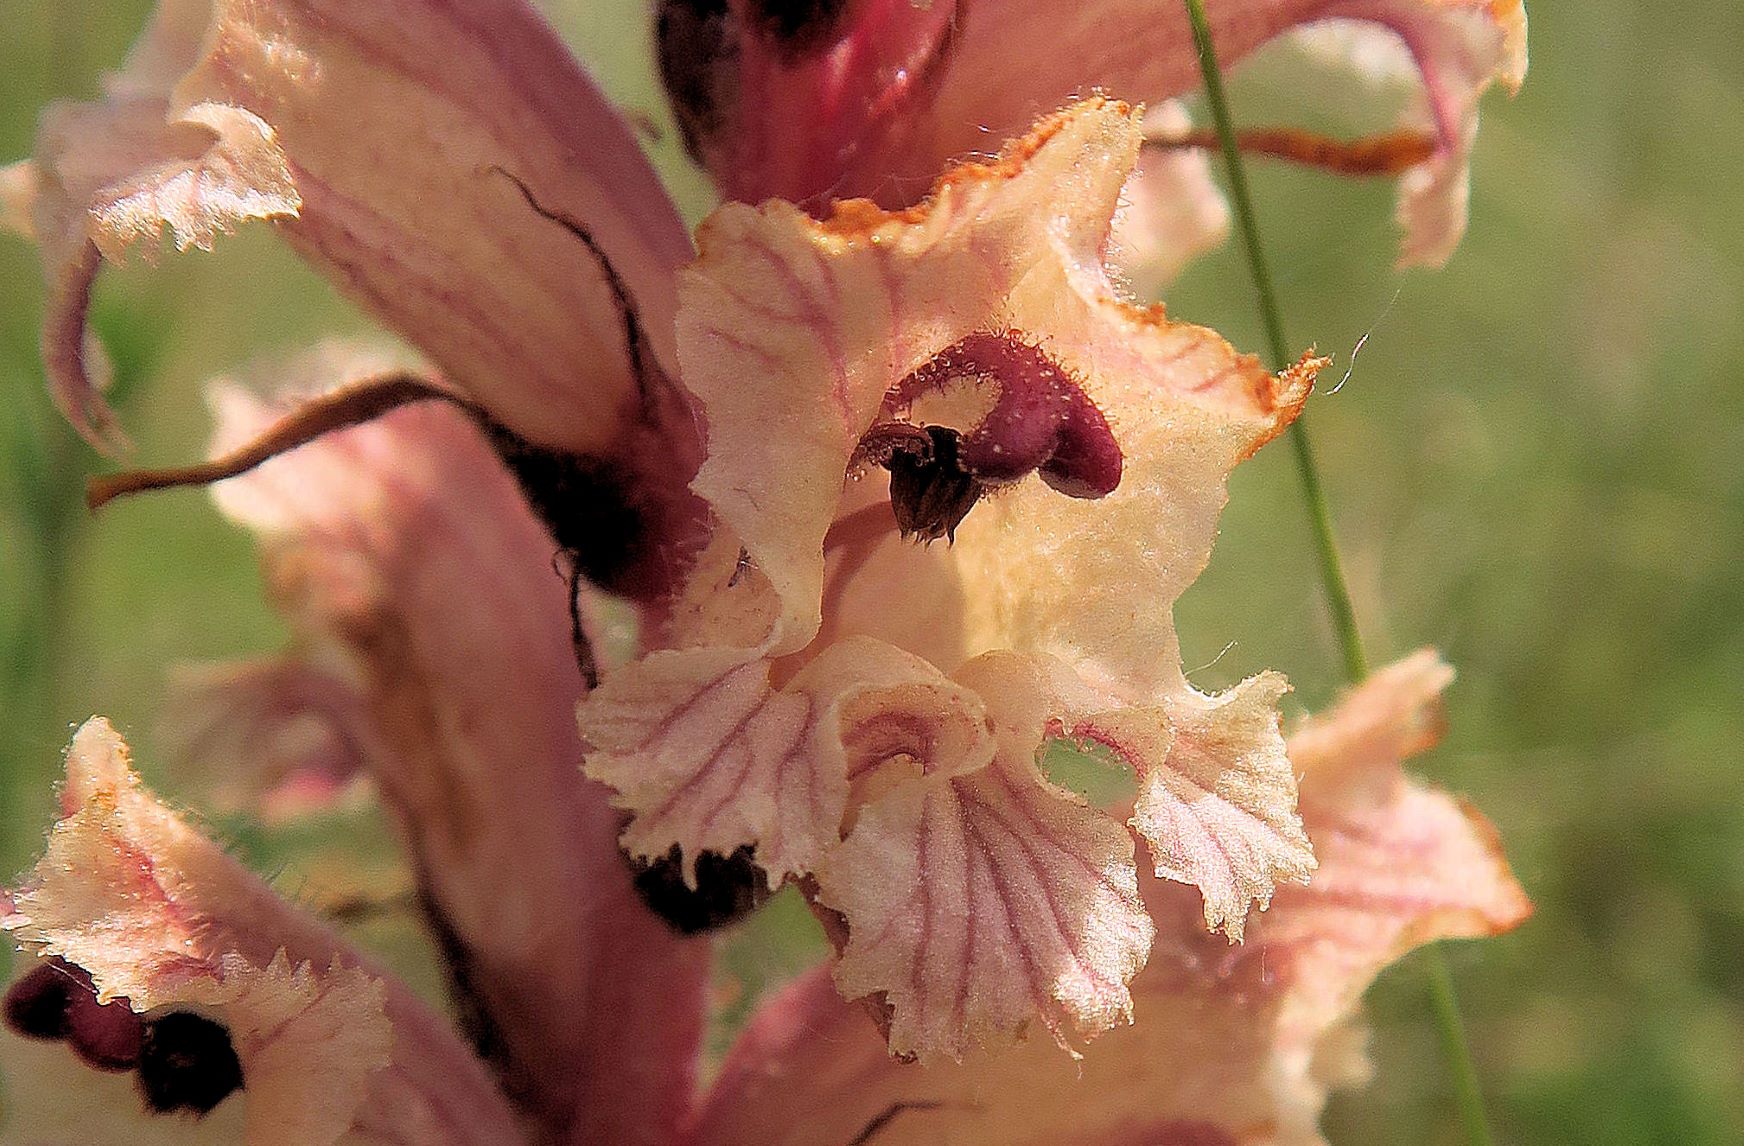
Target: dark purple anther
{"x":930,"y":492}
{"x":1041,"y":420}
{"x":728,"y":888}
{"x":187,"y":1064}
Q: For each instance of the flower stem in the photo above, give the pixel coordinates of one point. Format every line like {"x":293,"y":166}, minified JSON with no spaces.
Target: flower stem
{"x":1319,"y":515}
{"x":1467,"y":1094}
{"x":1356,"y":662}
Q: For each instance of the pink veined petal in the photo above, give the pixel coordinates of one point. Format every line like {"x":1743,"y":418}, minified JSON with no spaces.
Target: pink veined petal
{"x":1228,"y":1045}
{"x":1216,"y":794}
{"x":163,"y":918}
{"x":388,"y":141}
{"x":982,"y":903}
{"x":404,"y":548}
{"x":793,"y":333}
{"x":865,"y":102}
{"x":709,"y":755}
{"x":302,"y":729}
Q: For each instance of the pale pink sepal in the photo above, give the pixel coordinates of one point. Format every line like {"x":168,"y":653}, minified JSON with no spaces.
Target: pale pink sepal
{"x":387,"y":139}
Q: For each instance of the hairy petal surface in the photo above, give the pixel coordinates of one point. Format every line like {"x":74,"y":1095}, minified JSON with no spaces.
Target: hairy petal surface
{"x":787,"y":116}
{"x":794,"y":334}
{"x":1229,"y":1045}
{"x":403,"y":548}
{"x":1173,"y":210}
{"x":162,"y":918}
{"x":979,"y":903}
{"x":386,"y":139}
{"x":792,"y":331}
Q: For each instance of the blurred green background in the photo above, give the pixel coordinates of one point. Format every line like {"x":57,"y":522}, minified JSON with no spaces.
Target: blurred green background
{"x":1534,"y":465}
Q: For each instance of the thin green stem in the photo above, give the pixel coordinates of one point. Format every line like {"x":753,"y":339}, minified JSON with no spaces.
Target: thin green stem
{"x":1356,"y":661}
{"x":1319,"y":515}
{"x":1467,"y":1094}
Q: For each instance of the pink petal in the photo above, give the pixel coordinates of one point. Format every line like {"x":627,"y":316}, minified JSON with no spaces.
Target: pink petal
{"x":303,"y":730}
{"x":710,"y":756}
{"x":982,"y":903}
{"x":792,"y":332}
{"x":1216,"y":794}
{"x":404,"y":548}
{"x":386,"y":139}
{"x":1401,"y":862}
{"x":877,"y":101}
{"x":1228,"y":1045}
{"x":162,"y":917}
{"x":112,"y":174}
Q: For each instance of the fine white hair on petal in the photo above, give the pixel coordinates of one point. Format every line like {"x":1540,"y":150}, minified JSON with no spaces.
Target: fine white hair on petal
{"x":1171,"y":212}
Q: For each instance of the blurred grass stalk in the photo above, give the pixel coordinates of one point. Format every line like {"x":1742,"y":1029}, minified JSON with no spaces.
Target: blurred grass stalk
{"x":1467,"y":1093}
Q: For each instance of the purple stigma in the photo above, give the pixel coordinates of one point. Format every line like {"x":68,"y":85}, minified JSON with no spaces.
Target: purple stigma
{"x":1041,"y":421}
{"x":56,"y":1001}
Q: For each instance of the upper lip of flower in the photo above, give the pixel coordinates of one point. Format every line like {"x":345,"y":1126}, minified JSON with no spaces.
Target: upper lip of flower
{"x":577,"y":350}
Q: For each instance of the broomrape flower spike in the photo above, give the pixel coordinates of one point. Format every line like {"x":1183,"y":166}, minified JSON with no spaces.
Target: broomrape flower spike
{"x":734,"y":439}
